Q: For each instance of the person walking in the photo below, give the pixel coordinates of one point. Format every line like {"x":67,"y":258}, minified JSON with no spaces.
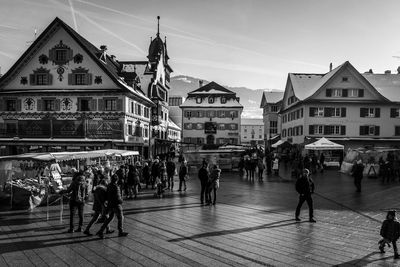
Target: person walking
{"x":357,"y":172}
{"x":121,"y":172}
{"x":133,"y":181}
{"x":322,"y":162}
{"x":213,"y":185}
{"x":183,"y":171}
{"x":275,"y":166}
{"x":203,"y":177}
{"x":114,"y":207}
{"x":171,"y":168}
{"x":78,"y":194}
{"x":99,"y":206}
{"x":146,"y":174}
{"x":155,"y":172}
{"x":261,"y":168}
{"x":305,"y":187}
{"x":390,"y":231}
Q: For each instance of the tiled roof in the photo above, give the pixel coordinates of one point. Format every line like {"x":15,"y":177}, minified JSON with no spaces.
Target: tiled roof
{"x":211,"y":88}
{"x":273,"y":96}
{"x":386,"y":84}
{"x":230,"y":103}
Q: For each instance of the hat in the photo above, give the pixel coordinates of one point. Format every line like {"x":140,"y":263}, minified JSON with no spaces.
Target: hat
{"x":306,"y":172}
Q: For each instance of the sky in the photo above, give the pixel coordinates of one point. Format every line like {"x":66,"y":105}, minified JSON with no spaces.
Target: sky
{"x":251,"y":43}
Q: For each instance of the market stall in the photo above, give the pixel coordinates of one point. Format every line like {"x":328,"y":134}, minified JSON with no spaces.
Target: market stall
{"x":332,"y":151}
{"x":28,"y":181}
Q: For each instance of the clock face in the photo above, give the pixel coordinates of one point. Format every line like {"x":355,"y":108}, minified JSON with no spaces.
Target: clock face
{"x":66,"y":104}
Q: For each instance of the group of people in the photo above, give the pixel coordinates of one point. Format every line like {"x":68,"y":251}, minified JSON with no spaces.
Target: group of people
{"x":389,"y":169}
{"x":209,"y":181}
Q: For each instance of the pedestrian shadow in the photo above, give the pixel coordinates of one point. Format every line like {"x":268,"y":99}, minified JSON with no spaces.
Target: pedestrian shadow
{"x":161,"y":208}
{"x":237,"y":231}
{"x":37,"y":229}
{"x":364,"y":261}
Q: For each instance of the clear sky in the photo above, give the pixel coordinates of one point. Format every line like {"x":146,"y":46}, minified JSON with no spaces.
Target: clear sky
{"x":252,"y":43}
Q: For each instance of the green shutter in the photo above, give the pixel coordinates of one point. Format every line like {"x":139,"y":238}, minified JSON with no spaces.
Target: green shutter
{"x":70,"y":54}
{"x":363,"y":112}
{"x":312,"y":112}
{"x":19,"y":105}
{"x":70,"y":79}
{"x":49,"y":79}
{"x":119,"y":105}
{"x":344,"y":92}
{"x":32,"y":79}
{"x":52,"y":56}
{"x":376,"y":130}
{"x":343,"y":130}
{"x":362,"y":130}
{"x":343,"y":112}
{"x":393,"y":113}
{"x":311,"y":129}
{"x":360,"y":92}
{"x":88,"y":79}
{"x":328,"y":92}
{"x":39,"y":105}
{"x":377,"y":112}
{"x":57,"y":104}
{"x":93,"y":104}
{"x":100,"y":104}
{"x":2,"y":105}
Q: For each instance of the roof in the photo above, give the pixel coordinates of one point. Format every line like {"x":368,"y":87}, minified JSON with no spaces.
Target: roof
{"x":110,"y":66}
{"x":386,"y":84}
{"x":324,"y":144}
{"x":211,"y":88}
{"x":252,"y":122}
{"x":271,"y":97}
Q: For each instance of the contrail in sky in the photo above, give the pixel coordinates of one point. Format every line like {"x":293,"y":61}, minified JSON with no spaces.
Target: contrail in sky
{"x":73,"y":14}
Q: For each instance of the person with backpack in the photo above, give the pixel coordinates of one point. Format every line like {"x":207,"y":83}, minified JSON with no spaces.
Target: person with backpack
{"x":390,"y":232}
{"x":203,"y":177}
{"x":114,"y":207}
{"x":99,"y":206}
{"x":78,"y":194}
{"x":305,"y":187}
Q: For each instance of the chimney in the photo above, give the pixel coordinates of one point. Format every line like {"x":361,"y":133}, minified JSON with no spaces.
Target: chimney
{"x":388,"y":72}
{"x":103,"y":55}
{"x":200,"y":83}
{"x":330,"y":66}
{"x":113,"y":57}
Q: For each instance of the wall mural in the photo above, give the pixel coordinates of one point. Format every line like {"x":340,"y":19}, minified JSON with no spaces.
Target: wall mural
{"x":66,"y":104}
{"x":78,"y":58}
{"x":24,"y":80}
{"x":29,"y":103}
{"x":98,"y":80}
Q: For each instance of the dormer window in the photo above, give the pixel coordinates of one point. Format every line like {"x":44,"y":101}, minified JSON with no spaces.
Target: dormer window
{"x":198,"y":100}
{"x":223,"y":100}
{"x":211,"y":100}
{"x":61,"y":55}
{"x":345,"y":79}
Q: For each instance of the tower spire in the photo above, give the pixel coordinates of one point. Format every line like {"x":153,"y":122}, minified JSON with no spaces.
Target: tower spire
{"x":158,"y":25}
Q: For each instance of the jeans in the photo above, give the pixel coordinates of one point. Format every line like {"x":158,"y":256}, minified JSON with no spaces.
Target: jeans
{"x":117,"y":210}
{"x":203,"y":192}
{"x":73,"y":206}
{"x":210,"y":189}
{"x":171,"y":181}
{"x":309,"y":200}
{"x":94,"y":219}
{"x":182,"y":181}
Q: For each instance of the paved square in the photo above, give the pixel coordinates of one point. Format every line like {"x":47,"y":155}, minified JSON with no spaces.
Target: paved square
{"x":252,"y":224}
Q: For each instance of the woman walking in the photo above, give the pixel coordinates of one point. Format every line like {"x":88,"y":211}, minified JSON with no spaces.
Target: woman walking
{"x":183,"y":170}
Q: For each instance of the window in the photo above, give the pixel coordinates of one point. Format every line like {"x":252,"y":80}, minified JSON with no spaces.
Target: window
{"x":274,"y":108}
{"x":337,"y":92}
{"x":353,"y":92}
{"x":84,"y":105}
{"x":260,"y":137}
{"x":273,"y":124}
{"x":147,"y":112}
{"x":61,"y":55}
{"x":211,"y":100}
{"x":40,"y":76}
{"x":395,"y":112}
{"x":233,"y":126}
{"x":41,"y":79}
{"x":11,"y":105}
{"x":110,"y":104}
{"x":320,"y":112}
{"x":198,"y":100}
{"x":49,"y":104}
{"x":397,"y":130}
{"x":371,"y":112}
{"x":245,"y":130}
{"x":345,"y":79}
{"x":223,"y":100}
{"x":252,"y":136}
{"x":80,"y":76}
{"x":336,"y":112}
{"x":337,"y":129}
{"x":188,"y":114}
{"x":146,"y":131}
{"x":130,"y":128}
{"x":222,"y":127}
{"x":266,"y":109}
{"x":371,"y":130}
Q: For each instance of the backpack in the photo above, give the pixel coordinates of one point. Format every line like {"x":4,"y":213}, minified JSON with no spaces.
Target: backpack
{"x":80,"y":193}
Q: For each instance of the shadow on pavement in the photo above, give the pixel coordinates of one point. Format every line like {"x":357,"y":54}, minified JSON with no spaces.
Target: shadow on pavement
{"x":161,"y":208}
{"x":237,"y":231}
{"x":364,"y":261}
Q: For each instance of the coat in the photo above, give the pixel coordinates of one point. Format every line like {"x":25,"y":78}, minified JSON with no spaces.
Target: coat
{"x":203,"y":175}
{"x":390,"y":230}
{"x":100,"y":197}
{"x":113,"y":195}
{"x":305,"y":185}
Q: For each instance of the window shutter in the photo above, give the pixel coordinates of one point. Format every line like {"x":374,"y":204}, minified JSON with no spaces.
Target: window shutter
{"x":78,"y":104}
{"x":57,"y":104}
{"x":18,"y":105}
{"x":49,"y":79}
{"x":88,"y":79}
{"x":377,"y":113}
{"x":93,"y":104}
{"x":311,"y":129}
{"x":2,"y":105}
{"x":312,"y":112}
{"x":100,"y":104}
{"x":70,"y":76}
{"x":397,"y":130}
{"x":328,"y":92}
{"x":363,"y":112}
{"x":39,"y":105}
{"x":362,"y":130}
{"x":327,"y":112}
{"x":360,"y":92}
{"x":119,"y":105}
{"x":343,"y":130}
{"x":393,"y":113}
{"x":376,"y":130}
{"x":326,"y":130}
{"x":343,"y":112}
{"x":70,"y":54}
{"x":32,"y":79}
{"x":344,"y":92}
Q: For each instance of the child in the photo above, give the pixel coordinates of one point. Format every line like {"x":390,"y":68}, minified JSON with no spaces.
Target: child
{"x":390,"y":232}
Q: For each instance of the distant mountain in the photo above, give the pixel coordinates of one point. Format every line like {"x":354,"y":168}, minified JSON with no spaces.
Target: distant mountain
{"x":250,"y":99}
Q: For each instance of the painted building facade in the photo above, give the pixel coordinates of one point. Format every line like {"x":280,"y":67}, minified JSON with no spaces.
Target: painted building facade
{"x":211,"y":116}
{"x":342,"y":105}
{"x":252,"y":131}
{"x":64,"y":93}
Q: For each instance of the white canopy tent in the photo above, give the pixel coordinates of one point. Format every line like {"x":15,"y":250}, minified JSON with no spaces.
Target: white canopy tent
{"x":324,"y":144}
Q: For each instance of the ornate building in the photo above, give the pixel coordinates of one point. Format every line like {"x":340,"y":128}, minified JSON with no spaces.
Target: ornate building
{"x":211,"y":116}
{"x":64,"y":93}
{"x":252,"y":132}
{"x":342,"y":105}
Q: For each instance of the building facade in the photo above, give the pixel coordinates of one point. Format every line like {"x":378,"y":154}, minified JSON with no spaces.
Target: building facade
{"x":211,"y":116}
{"x":175,"y":112}
{"x":271,"y":102}
{"x":342,"y":105}
{"x":252,"y":132}
{"x":65,"y":94}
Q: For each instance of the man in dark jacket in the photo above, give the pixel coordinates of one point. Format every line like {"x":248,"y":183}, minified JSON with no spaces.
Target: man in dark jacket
{"x":170,"y":173}
{"x":305,"y":187}
{"x":79,"y":193}
{"x":114,"y":207}
{"x":203,"y":176}
{"x":357,"y":172}
{"x":99,"y":206}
